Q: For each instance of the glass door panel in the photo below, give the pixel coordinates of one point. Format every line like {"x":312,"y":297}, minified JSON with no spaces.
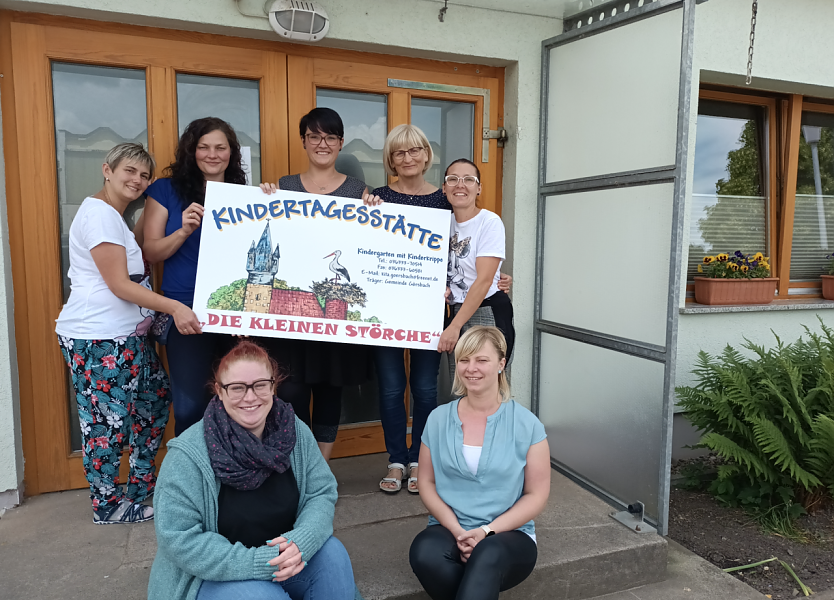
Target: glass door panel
{"x":95,"y":109}
{"x":450,"y":127}
{"x":366,"y":124}
{"x":236,"y":101}
{"x":365,"y":117}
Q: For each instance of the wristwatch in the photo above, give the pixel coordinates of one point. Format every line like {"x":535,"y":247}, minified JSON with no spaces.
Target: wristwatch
{"x":487,"y":530}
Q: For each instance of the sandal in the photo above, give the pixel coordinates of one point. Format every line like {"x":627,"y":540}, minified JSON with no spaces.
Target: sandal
{"x":123,"y":512}
{"x":412,"y":479}
{"x":397,"y":481}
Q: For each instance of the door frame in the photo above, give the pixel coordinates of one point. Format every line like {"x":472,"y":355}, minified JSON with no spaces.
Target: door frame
{"x":28,"y":44}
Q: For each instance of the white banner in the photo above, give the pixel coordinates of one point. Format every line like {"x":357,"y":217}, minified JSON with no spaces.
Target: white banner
{"x":322,"y":268}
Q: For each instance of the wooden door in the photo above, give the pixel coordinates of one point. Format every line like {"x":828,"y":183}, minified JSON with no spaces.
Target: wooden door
{"x":40,"y":53}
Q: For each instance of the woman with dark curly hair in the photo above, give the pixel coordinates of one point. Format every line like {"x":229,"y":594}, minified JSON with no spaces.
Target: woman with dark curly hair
{"x":208,"y":150}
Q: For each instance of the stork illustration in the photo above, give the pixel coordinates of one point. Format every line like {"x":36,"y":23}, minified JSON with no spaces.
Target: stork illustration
{"x":338,"y":269}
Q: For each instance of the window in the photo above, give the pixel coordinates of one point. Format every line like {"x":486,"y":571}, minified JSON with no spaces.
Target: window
{"x":730,"y":195}
{"x":764,"y":181}
{"x":813,"y":218}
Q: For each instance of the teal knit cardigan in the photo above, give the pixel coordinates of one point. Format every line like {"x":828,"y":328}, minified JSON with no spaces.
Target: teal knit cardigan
{"x":189,"y":549}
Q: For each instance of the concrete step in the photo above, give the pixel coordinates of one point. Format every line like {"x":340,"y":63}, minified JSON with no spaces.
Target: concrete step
{"x":583,"y":552}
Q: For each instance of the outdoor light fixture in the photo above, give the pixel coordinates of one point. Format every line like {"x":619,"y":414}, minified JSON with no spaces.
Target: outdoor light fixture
{"x":297,"y":19}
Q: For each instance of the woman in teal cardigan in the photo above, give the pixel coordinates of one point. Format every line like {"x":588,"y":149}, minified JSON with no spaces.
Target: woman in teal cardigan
{"x":244,"y":502}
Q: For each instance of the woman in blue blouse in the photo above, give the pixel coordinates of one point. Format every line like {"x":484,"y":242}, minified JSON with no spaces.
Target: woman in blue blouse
{"x":208,"y":150}
{"x":485,"y":475}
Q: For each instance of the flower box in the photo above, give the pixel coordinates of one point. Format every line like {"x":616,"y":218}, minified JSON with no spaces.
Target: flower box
{"x":760,"y":290}
{"x":828,"y":287}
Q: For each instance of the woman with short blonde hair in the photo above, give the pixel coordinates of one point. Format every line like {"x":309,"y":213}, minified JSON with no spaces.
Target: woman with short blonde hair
{"x":484,"y":477}
{"x":408,"y":155}
{"x":120,"y":387}
{"x":405,"y":138}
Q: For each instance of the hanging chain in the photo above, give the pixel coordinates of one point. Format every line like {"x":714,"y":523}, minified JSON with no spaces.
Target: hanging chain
{"x":752,"y":39}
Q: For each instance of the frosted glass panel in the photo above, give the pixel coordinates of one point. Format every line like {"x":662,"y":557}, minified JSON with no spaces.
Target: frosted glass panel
{"x":606,"y":261}
{"x":613,"y":100}
{"x":608,"y":429}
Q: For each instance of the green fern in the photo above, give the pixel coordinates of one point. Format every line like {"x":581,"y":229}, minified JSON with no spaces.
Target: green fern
{"x":769,"y":412}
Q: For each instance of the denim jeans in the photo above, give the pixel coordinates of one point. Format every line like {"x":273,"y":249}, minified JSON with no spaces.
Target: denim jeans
{"x":328,"y":575}
{"x":390,"y":368}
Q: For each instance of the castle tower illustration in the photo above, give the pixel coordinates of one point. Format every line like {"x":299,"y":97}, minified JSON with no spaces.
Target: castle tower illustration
{"x":262,"y":265}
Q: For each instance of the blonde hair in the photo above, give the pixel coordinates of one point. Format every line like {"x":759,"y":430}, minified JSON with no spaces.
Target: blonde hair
{"x":470,"y":343}
{"x":403,"y":137}
{"x":130,"y":152}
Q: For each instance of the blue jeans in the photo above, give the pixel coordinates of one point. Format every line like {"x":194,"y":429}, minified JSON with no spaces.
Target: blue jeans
{"x":390,"y":369}
{"x":327,"y":576}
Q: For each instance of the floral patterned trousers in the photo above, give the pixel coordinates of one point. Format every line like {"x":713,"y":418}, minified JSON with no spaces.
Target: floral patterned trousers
{"x":122,"y":392}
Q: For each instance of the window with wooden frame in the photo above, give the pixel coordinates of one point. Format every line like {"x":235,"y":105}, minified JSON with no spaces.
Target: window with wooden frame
{"x":764,"y":182}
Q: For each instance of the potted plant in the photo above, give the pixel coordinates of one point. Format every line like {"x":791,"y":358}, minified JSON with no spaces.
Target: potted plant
{"x":735,"y":279}
{"x":828,"y":280}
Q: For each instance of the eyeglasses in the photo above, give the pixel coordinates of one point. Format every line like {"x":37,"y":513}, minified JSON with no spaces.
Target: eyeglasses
{"x":316,"y":138}
{"x":261,"y":387}
{"x":469,"y":181}
{"x":399,"y":155}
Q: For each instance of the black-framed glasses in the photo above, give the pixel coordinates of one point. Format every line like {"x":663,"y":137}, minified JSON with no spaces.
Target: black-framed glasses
{"x":316,"y":138}
{"x":469,"y":180}
{"x":399,"y":155}
{"x":237,"y":389}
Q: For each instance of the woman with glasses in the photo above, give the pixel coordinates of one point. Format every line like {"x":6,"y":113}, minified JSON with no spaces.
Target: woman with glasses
{"x":407,"y":155}
{"x":245,"y":501}
{"x":320,"y":367}
{"x":476,"y":250}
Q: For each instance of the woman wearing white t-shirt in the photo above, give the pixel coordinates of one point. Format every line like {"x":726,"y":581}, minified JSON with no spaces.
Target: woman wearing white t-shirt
{"x":476,"y":251}
{"x":120,"y":386}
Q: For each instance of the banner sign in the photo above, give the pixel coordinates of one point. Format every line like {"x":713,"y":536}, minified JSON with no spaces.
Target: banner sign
{"x":322,"y":268}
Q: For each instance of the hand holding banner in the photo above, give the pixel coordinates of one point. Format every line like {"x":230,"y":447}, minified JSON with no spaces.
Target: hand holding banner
{"x":323,"y":268}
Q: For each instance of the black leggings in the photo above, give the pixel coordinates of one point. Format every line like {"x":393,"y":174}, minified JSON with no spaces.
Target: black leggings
{"x":497,"y":563}
{"x":327,"y":406}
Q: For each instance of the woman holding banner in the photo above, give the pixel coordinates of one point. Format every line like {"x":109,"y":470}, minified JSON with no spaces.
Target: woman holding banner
{"x":476,"y":251}
{"x":321,"y":368}
{"x":120,"y":387}
{"x":208,"y":150}
{"x":407,"y":155}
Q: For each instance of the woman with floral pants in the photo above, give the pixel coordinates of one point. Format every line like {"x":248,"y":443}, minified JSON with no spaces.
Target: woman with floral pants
{"x":122,"y":394}
{"x":121,"y":389}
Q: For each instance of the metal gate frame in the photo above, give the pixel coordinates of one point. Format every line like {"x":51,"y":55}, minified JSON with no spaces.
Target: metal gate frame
{"x":666,"y":174}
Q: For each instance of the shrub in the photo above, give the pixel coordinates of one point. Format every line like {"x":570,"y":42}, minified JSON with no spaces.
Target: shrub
{"x":228,"y":297}
{"x":771,"y":417}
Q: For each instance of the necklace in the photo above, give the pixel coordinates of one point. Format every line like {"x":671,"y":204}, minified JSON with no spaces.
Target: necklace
{"x":412,"y":194}
{"x":316,"y":183}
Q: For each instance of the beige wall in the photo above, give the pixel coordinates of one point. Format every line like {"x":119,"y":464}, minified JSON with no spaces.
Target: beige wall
{"x":793,"y":53}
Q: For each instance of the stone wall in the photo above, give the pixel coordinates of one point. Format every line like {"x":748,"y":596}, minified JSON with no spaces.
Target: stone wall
{"x":336,"y":309}
{"x":299,"y":304}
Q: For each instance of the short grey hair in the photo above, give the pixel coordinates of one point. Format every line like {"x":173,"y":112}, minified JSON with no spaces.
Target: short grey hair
{"x":131,"y":152}
{"x":403,"y":137}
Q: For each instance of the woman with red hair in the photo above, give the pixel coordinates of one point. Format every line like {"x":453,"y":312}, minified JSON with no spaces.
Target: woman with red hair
{"x":245,"y":499}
